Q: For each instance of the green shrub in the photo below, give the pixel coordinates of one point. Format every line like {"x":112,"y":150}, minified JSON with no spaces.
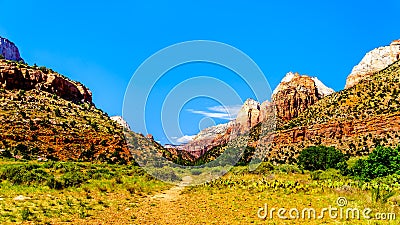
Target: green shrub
{"x":100,"y":173}
{"x":73,"y":179}
{"x":238,"y":170}
{"x":22,"y":150}
{"x":195,"y":172}
{"x":320,"y":158}
{"x":134,"y":189}
{"x":26,"y":214}
{"x":316,"y":175}
{"x":383,"y":161}
{"x":329,"y":174}
{"x":288,"y":168}
{"x":24,"y":174}
{"x":264,"y":168}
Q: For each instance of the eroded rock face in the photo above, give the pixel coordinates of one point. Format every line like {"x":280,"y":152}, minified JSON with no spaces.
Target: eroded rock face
{"x":296,"y":93}
{"x":292,"y":96}
{"x":19,"y":76}
{"x":248,"y":116}
{"x":374,"y":61}
{"x":352,"y":137}
{"x":9,"y":50}
{"x":206,"y":139}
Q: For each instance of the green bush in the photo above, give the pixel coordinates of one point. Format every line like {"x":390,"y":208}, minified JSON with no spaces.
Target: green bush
{"x":26,"y":214}
{"x":329,"y":174}
{"x":100,"y":173}
{"x":195,"y":172}
{"x":73,"y":179}
{"x":320,"y":158}
{"x":383,"y":161}
{"x":264,"y":168}
{"x":24,"y":174}
{"x":288,"y":168}
{"x":22,"y":150}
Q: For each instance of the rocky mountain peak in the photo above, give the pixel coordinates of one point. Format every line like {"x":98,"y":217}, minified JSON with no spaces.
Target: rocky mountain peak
{"x":211,"y":132}
{"x":293,"y":95}
{"x":119,"y":120}
{"x":248,"y":115}
{"x":296,"y":93}
{"x":9,"y":50}
{"x":374,"y":61}
{"x":16,"y":74}
{"x":322,"y":89}
{"x":293,"y":79}
{"x":289,"y":76}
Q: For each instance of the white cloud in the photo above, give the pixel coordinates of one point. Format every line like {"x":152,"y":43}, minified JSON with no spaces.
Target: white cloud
{"x":184,"y":139}
{"x":220,"y":112}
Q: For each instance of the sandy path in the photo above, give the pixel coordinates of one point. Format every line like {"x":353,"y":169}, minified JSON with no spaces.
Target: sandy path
{"x":174,"y":192}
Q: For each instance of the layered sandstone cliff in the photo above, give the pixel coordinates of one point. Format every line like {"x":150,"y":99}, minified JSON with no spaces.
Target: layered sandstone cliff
{"x":296,"y":93}
{"x":355,"y":137}
{"x":293,"y":95}
{"x":20,"y":76}
{"x":354,"y":120}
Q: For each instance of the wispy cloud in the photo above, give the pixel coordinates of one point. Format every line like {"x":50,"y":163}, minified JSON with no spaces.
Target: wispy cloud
{"x":184,"y":139}
{"x":219,"y":112}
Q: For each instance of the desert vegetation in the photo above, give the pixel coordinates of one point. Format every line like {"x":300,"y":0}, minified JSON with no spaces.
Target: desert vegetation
{"x":54,"y":192}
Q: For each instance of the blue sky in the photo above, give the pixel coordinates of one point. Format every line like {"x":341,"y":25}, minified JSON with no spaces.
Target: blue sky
{"x":102,"y":43}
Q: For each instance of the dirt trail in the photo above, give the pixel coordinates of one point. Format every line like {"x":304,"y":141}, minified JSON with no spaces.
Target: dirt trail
{"x":174,"y":192}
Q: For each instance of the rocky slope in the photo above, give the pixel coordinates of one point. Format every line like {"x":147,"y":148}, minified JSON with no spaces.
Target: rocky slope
{"x":293,"y":95}
{"x":9,"y":50}
{"x":374,"y":61}
{"x":46,"y":115}
{"x":121,"y":122}
{"x":354,"y":120}
{"x":206,"y":139}
{"x":35,"y":124}
{"x":38,"y":124}
{"x":14,"y":75}
{"x":248,"y":116}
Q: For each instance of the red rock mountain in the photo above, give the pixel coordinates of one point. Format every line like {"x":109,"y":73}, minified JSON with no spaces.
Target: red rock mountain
{"x":296,"y":93}
{"x":355,"y":120}
{"x":44,"y":114}
{"x":14,"y":75}
{"x":293,"y":95}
